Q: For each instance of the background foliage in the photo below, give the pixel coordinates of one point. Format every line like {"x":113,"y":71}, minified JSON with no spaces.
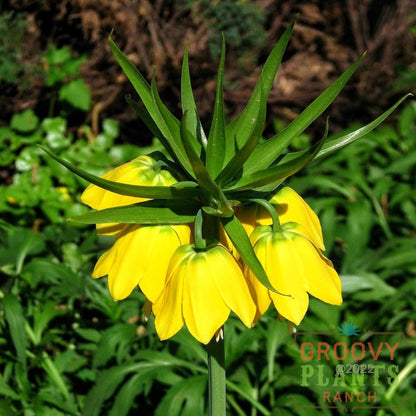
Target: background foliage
{"x":67,"y":347}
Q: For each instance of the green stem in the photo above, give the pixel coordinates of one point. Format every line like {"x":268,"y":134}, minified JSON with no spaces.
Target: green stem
{"x":200,"y":243}
{"x":272,"y":212}
{"x":216,"y":377}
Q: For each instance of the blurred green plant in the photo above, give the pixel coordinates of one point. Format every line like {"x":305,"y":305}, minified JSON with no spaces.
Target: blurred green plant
{"x":57,"y":68}
{"x":241,"y":21}
{"x":39,"y":189}
{"x":61,"y":71}
{"x":12,"y":29}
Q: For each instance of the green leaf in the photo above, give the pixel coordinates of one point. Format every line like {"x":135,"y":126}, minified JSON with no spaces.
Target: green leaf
{"x":180,"y":190}
{"x":156,"y":211}
{"x":241,"y":242}
{"x":164,"y":120}
{"x":355,"y":284}
{"x":237,"y":161}
{"x":276,"y":173}
{"x":267,"y":152}
{"x":135,"y":77}
{"x":185,"y":398}
{"x":58,"y":56}
{"x":201,"y":173}
{"x":24,"y":242}
{"x":55,"y":375}
{"x":55,"y":132}
{"x":77,"y":94}
{"x":238,"y":129}
{"x":24,"y":122}
{"x":27,"y":158}
{"x":170,"y":128}
{"x":107,"y":383}
{"x":111,"y":128}
{"x":126,"y":396}
{"x":216,"y":139}
{"x":188,"y":103}
{"x":16,"y":321}
{"x":7,"y":391}
{"x":336,"y":144}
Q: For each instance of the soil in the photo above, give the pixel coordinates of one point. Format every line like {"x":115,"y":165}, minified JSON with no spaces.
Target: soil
{"x":328,"y":37}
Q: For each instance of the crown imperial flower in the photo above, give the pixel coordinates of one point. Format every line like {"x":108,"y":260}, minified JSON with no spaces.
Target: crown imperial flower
{"x":226,"y":185}
{"x":140,"y":257}
{"x":290,"y":207}
{"x":294,"y":266}
{"x":141,"y":253}
{"x":142,"y":170}
{"x":202,"y":287}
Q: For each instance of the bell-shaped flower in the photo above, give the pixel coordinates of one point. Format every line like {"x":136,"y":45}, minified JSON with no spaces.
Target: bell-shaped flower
{"x":140,"y":257}
{"x":290,"y":207}
{"x":295,"y":267}
{"x":202,"y":287}
{"x":142,"y":170}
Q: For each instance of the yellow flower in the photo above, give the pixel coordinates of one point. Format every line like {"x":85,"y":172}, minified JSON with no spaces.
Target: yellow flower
{"x":291,"y":208}
{"x":294,"y":266}
{"x":140,"y":257}
{"x":63,"y":190}
{"x":140,"y":171}
{"x":140,"y":254}
{"x":202,"y":287}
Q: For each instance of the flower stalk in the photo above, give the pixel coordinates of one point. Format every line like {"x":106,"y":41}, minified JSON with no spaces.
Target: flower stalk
{"x":216,"y":377}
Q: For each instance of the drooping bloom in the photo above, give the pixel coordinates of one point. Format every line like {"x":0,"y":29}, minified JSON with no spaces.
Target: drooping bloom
{"x":294,"y":266}
{"x":202,"y":287}
{"x":290,"y":207}
{"x":140,"y":257}
{"x":142,"y":170}
{"x":141,"y":253}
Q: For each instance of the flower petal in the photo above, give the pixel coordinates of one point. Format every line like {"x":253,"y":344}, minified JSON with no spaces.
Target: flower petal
{"x":291,"y":207}
{"x":139,"y":171}
{"x":283,"y":265}
{"x":231,"y":284}
{"x":158,"y":245}
{"x":168,"y":306}
{"x":104,"y":263}
{"x":204,"y":310}
{"x":123,"y":276}
{"x":322,"y":281}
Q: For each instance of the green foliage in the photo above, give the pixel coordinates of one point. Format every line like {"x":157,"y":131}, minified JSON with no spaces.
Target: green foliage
{"x":61,"y":71}
{"x":241,"y":21}
{"x":57,"y":67}
{"x":60,"y":64}
{"x":77,"y":94}
{"x":69,"y":349}
{"x":41,"y":187}
{"x":12,"y":28}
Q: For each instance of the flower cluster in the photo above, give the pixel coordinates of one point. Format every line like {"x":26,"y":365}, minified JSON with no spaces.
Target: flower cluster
{"x":207,"y":227}
{"x":199,"y":287}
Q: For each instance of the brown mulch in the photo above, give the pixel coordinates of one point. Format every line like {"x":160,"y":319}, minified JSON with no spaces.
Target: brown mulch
{"x":327,"y":39}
